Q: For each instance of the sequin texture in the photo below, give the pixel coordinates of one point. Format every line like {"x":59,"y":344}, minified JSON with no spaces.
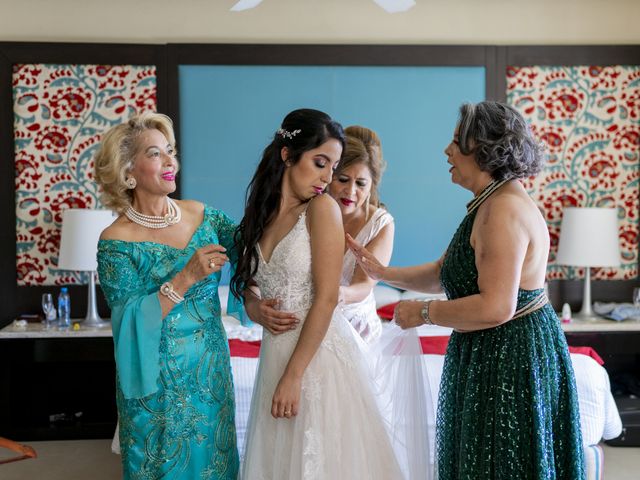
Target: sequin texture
{"x":508,"y":404}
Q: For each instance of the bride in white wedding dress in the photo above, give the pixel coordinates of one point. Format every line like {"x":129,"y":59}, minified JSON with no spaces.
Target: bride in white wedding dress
{"x":314,"y":413}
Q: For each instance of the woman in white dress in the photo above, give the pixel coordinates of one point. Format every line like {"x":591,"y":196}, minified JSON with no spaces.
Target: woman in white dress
{"x":355,"y":188}
{"x":313,"y":412}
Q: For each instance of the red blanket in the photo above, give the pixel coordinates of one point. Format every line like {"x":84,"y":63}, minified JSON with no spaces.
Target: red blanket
{"x":438,"y":346}
{"x":431,"y":345}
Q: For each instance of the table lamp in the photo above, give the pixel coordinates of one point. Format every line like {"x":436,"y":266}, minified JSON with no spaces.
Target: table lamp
{"x":81,"y":229}
{"x":589,"y":238}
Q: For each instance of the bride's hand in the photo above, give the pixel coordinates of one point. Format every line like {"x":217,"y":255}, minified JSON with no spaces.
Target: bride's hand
{"x":286,"y":398}
{"x":366,"y":260}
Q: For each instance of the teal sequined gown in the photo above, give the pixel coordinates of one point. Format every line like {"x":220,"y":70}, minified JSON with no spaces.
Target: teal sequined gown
{"x":174,"y":390}
{"x":508,"y":406}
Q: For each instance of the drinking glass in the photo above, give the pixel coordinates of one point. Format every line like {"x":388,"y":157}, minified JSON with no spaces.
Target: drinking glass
{"x":636,"y":297}
{"x":48,"y":308}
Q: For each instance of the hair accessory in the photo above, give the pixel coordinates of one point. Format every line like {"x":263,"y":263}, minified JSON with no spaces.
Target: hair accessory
{"x":288,"y":134}
{"x":131,"y":183}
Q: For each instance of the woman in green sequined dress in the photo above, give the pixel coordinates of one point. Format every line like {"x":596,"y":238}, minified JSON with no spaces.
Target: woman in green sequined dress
{"x":508,"y":404}
{"x":159,"y":266}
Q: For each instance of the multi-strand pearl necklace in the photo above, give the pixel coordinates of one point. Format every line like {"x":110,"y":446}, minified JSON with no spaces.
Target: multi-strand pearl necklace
{"x":172,"y":217}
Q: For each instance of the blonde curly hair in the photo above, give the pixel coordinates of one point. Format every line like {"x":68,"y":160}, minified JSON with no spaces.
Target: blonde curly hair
{"x":118,"y":148}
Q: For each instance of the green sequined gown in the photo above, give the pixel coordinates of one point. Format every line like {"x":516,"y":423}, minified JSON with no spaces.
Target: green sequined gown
{"x":174,"y":388}
{"x":508,"y":406}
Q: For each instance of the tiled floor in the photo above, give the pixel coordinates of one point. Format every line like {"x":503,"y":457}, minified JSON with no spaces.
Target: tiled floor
{"x":93,"y":460}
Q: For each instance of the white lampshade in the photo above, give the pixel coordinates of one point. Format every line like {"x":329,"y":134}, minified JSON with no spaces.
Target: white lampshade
{"x":81,"y":229}
{"x":589,"y":238}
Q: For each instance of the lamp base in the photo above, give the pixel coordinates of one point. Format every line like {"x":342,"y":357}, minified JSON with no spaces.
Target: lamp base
{"x":94,"y":322}
{"x":586,"y":311}
{"x":92,"y":319}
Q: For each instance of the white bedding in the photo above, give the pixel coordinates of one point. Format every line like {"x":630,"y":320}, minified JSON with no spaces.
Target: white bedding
{"x":599,"y":415}
{"x":598,"y":412}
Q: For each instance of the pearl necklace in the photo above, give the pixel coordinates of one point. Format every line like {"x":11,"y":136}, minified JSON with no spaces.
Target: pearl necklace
{"x":173,"y":216}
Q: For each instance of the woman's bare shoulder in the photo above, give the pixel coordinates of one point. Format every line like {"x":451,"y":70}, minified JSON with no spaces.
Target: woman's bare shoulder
{"x":323,"y":204}
{"x":323,"y":210}
{"x":120,"y":229}
{"x":191,"y":207}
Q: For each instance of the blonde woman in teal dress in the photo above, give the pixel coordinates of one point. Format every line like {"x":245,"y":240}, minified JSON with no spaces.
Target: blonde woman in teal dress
{"x":159,"y":267}
{"x":508,"y":404}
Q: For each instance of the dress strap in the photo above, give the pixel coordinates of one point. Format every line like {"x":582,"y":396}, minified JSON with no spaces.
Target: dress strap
{"x":535,"y":304}
{"x":484,"y":194}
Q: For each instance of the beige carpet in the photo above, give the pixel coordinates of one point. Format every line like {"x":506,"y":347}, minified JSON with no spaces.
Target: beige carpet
{"x":93,"y":460}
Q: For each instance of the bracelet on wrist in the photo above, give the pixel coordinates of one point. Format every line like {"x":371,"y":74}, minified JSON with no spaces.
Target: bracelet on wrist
{"x":168,"y":291}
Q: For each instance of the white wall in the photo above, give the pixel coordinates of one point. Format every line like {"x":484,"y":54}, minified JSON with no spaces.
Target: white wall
{"x":323,"y":21}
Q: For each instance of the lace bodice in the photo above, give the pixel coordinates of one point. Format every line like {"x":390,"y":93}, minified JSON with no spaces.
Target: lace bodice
{"x":287,"y":275}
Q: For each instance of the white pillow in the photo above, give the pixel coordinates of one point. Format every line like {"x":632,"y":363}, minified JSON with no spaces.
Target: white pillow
{"x":223,"y":293}
{"x":384,"y":295}
{"x":411,"y":295}
{"x":599,"y":417}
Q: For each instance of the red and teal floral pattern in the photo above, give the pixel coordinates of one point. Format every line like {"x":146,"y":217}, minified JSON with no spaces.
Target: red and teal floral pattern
{"x":60,"y":111}
{"x":589,"y":120}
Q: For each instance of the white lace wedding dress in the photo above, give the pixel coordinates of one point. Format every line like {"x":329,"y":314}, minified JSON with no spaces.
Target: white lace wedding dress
{"x":362,"y":315}
{"x":339,"y":432}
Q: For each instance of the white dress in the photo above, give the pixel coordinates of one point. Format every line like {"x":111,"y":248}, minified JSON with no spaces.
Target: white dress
{"x":363,"y":315}
{"x":339,"y":432}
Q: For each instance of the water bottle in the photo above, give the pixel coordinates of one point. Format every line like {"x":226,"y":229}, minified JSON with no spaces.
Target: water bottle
{"x":64,"y":308}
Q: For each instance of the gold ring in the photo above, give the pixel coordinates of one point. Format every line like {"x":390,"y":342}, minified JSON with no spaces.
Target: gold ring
{"x":287,"y":412}
{"x":212,"y":264}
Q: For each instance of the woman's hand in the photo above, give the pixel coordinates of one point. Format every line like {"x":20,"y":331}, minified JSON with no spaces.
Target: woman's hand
{"x":266,"y":313}
{"x":286,"y":398}
{"x":366,"y":260}
{"x":27,"y":451}
{"x":205,"y":261}
{"x":19,"y":448}
{"x":408,"y":314}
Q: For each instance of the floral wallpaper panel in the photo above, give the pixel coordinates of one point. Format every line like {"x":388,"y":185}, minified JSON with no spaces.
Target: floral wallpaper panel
{"x":60,"y":112}
{"x":589,"y":119}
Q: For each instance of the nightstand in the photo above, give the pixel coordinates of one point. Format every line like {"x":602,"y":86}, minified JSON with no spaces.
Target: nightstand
{"x":46,"y":372}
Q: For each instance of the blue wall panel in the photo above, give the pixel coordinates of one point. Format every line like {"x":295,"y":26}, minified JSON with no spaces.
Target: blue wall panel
{"x":229,"y":113}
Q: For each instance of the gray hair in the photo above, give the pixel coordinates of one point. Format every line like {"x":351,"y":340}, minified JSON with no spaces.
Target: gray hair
{"x":500,"y":139}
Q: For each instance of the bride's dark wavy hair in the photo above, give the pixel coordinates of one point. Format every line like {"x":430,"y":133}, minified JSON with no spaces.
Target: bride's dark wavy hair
{"x":301,"y":130}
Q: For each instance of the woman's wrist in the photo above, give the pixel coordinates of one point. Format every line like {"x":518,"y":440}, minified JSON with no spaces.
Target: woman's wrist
{"x":389,"y":275}
{"x":252,"y":307}
{"x":294,"y":372}
{"x":181,"y":282}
